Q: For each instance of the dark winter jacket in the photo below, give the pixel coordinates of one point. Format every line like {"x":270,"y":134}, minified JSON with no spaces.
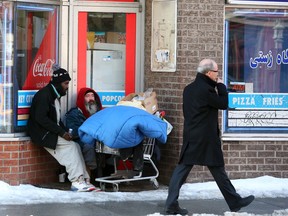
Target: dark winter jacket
{"x":201,"y":141}
{"x":75,"y":117}
{"x":42,"y":124}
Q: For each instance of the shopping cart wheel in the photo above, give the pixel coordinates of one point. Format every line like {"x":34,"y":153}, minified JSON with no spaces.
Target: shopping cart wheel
{"x":102,"y":186}
{"x":115,"y":187}
{"x":154,"y":183}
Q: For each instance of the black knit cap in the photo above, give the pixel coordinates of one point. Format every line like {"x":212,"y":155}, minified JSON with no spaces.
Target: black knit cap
{"x":59,"y":74}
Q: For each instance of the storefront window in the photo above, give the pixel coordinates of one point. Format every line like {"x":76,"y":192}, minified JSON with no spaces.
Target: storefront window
{"x":106,"y":34}
{"x":36,"y":52}
{"x":255,"y":68}
{"x":107,"y":43}
{"x":29,"y":47}
{"x":6,"y":56}
{"x":106,"y":55}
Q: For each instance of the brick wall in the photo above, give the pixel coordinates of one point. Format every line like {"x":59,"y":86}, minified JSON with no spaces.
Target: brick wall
{"x":200,"y":35}
{"x":258,"y":158}
{"x":22,"y":162}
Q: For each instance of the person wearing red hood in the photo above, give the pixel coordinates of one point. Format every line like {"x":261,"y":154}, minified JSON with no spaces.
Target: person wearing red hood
{"x":88,"y":102}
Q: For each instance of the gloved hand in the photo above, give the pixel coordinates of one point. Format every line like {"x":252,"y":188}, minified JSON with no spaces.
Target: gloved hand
{"x":67,"y":136}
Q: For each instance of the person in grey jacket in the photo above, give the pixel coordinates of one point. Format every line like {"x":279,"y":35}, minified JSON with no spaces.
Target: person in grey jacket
{"x":202,"y":100}
{"x":47,"y":130}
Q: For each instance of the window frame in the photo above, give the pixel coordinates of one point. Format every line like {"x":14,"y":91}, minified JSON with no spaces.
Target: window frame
{"x":247,"y":133}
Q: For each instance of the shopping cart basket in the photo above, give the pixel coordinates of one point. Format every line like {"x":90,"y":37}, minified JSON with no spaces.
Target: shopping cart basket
{"x":120,"y":176}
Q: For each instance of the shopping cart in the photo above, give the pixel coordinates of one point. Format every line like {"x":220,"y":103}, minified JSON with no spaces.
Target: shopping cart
{"x":126,"y":175}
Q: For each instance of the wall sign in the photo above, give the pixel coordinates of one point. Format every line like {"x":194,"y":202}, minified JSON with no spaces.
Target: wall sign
{"x":258,"y":110}
{"x":110,"y":98}
{"x":258,"y":118}
{"x":164,"y":30}
{"x":258,"y":101}
{"x":25,"y":98}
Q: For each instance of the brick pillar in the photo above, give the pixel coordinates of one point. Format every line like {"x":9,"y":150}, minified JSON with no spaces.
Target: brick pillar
{"x":25,"y":163}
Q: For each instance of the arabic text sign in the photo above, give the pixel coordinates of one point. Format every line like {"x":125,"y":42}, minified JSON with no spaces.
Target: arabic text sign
{"x":268,"y":59}
{"x":258,"y":101}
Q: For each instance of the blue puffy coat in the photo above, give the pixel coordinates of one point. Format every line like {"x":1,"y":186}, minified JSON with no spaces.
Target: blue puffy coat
{"x":122,"y":127}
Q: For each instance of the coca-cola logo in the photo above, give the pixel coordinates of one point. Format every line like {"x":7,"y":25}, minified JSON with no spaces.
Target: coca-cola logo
{"x":43,"y":68}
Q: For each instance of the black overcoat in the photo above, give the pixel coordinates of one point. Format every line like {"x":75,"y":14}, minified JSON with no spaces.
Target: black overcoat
{"x":201,"y":142}
{"x":42,"y":124}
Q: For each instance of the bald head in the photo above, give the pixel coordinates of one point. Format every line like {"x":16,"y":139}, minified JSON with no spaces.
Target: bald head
{"x":207,"y":65}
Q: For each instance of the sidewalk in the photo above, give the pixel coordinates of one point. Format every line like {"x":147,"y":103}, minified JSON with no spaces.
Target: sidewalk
{"x":143,"y":208}
{"x":196,"y":207}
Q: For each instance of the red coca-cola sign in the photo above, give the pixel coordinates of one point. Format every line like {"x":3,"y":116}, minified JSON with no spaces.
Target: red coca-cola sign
{"x":40,"y":71}
{"x":41,"y":68}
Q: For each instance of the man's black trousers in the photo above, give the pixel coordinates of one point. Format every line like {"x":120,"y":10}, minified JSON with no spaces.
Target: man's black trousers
{"x":219,"y":174}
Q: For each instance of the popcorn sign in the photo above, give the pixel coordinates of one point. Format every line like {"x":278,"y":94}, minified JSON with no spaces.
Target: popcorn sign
{"x":110,"y":98}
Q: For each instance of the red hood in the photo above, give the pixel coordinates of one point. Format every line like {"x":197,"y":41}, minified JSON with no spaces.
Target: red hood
{"x":80,"y":103}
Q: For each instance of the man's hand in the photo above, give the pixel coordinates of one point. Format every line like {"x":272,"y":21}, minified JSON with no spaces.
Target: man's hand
{"x":219,"y":80}
{"x":67,"y":136}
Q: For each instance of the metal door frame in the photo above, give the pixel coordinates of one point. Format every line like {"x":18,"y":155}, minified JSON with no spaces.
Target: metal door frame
{"x":105,"y":7}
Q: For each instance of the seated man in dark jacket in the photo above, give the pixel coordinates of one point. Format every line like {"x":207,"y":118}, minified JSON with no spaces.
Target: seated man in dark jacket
{"x":47,"y":130}
{"x":88,"y":103}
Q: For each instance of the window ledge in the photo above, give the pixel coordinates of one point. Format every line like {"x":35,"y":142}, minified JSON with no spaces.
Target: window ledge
{"x":14,"y":137}
{"x":254,"y":137}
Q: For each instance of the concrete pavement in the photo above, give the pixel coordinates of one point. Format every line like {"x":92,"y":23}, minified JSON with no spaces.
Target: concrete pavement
{"x":265,"y":206}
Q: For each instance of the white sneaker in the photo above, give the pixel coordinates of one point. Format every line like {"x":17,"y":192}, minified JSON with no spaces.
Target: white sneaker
{"x":91,"y":186}
{"x":80,"y":185}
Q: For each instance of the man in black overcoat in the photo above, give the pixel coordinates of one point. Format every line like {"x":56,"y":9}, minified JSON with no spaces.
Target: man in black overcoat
{"x":201,"y":142}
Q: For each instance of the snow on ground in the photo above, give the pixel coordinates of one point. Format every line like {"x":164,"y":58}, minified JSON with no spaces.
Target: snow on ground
{"x":261,"y":187}
{"x":275,"y":213}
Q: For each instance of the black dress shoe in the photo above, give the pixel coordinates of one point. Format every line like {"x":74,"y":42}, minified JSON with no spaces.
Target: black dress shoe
{"x":242,"y":203}
{"x":176,"y":210}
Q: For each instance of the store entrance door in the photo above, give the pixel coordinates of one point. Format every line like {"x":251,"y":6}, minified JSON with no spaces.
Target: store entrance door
{"x":106,"y":54}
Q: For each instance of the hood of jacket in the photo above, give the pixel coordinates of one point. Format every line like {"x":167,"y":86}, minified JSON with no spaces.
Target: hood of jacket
{"x":80,"y":103}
